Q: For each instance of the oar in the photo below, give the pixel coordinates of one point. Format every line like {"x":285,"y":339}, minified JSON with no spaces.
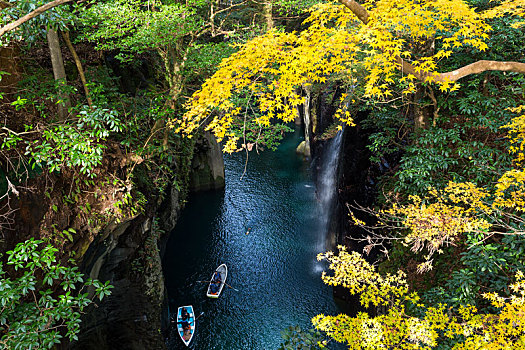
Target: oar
{"x":224,"y":283}
{"x":195,"y":319}
{"x":231,"y":287}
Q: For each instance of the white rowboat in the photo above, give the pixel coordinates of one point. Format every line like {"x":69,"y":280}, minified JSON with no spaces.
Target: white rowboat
{"x":214,"y":288}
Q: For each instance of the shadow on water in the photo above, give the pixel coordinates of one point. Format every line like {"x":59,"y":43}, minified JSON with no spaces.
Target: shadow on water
{"x":266,"y":228}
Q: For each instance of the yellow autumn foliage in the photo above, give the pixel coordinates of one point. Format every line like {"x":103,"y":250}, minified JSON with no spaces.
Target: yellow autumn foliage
{"x":440,"y":218}
{"x":454,"y":211}
{"x":398,"y":328}
{"x":506,"y":7}
{"x":273,"y":69}
{"x":353,"y":272}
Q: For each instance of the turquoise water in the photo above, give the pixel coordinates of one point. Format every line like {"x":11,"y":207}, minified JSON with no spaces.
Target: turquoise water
{"x":266,"y":227}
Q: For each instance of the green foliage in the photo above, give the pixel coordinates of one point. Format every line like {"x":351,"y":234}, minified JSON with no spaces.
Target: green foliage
{"x":389,"y":127}
{"x":39,"y":92}
{"x":129,"y":26}
{"x":293,"y":7}
{"x":203,"y":60}
{"x":431,"y":154}
{"x":297,"y":339}
{"x":103,"y":87}
{"x":467,"y":144}
{"x":75,"y":144}
{"x":142,"y":112}
{"x":40,"y":299}
{"x":149,"y":251}
{"x":129,"y":206}
{"x":485,"y":265}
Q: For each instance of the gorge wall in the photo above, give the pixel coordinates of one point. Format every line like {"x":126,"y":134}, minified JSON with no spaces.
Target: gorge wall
{"x":129,"y":255}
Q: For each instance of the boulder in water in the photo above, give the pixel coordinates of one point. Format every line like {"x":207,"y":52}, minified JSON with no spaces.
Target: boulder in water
{"x":303,"y":149}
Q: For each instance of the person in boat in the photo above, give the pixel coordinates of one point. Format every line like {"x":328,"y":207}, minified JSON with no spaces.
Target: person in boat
{"x":185,"y":325}
{"x":215,"y":283}
{"x":214,"y":287}
{"x":216,"y":278}
{"x":184,"y":314}
{"x":186,"y":330}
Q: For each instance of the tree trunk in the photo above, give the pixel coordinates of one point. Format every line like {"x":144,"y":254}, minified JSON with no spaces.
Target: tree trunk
{"x":58,"y":71}
{"x":420,"y":112}
{"x":174,"y":79}
{"x":307,"y":119}
{"x":71,"y":48}
{"x":268,"y":7}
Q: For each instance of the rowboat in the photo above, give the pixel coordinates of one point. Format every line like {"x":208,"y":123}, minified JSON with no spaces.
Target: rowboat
{"x":186,"y":328}
{"x":215,"y":288}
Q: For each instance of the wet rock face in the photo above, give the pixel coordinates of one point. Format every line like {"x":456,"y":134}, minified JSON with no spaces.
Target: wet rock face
{"x":129,"y":317}
{"x":129,"y":256}
{"x":356,"y":176}
{"x":357,"y":182}
{"x":207,"y":168}
{"x":171,"y":208}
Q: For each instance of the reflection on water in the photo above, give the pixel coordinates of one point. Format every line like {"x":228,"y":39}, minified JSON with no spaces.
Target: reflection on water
{"x":266,"y":228}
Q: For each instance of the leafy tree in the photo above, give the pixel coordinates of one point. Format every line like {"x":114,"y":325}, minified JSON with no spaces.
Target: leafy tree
{"x":76,"y":144}
{"x":479,"y":305}
{"x":374,"y":49}
{"x":41,"y":300}
{"x":169,"y":30}
{"x":297,"y":339}
{"x":408,"y":323}
{"x":12,"y":19}
{"x":133,"y":28}
{"x":42,"y":20}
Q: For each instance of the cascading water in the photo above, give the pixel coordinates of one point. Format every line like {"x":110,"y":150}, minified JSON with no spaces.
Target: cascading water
{"x":327,"y":190}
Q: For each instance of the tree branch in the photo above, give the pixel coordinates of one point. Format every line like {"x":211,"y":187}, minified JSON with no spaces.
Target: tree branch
{"x":483,"y":66}
{"x":31,"y":15}
{"x":4,"y":4}
{"x":71,"y":48}
{"x":474,"y":68}
{"x":357,"y":9}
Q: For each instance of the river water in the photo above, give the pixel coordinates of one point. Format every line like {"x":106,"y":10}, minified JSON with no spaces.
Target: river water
{"x":267,"y":227}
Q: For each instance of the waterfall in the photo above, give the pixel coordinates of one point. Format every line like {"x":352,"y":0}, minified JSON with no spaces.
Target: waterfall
{"x":327,"y":189}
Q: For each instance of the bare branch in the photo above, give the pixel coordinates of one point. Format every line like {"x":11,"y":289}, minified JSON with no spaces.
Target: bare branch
{"x":474,"y":68}
{"x":357,"y":9}
{"x":31,"y":15}
{"x":483,"y":66}
{"x":11,"y":187}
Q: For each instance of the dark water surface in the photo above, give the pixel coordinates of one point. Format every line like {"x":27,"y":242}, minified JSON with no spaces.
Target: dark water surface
{"x":273,"y":266}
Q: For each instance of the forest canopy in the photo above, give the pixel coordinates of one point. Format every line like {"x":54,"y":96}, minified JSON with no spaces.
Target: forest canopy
{"x":379,"y":50}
